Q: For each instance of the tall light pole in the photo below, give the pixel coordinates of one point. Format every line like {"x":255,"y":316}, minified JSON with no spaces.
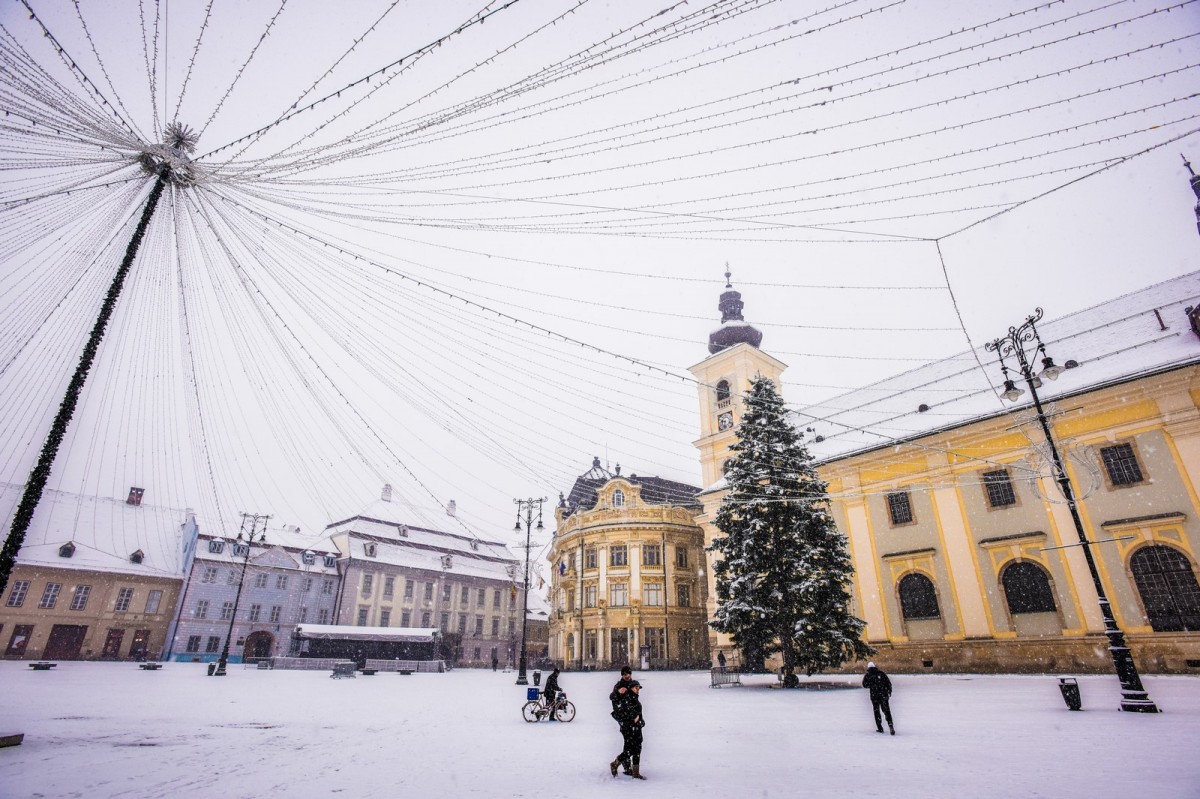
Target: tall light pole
{"x":1024,"y":343}
{"x":244,"y":539}
{"x":526,"y":505}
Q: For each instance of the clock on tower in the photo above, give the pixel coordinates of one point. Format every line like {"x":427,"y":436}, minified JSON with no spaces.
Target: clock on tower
{"x":725,"y":420}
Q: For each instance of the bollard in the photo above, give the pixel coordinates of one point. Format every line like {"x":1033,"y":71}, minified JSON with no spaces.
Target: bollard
{"x":1070,"y":692}
{"x":537,"y":678}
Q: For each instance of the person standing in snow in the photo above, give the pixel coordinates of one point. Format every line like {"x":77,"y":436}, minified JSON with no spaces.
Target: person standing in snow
{"x":618,"y":694}
{"x":628,"y":713}
{"x":880,"y":687}
{"x":721,"y":660}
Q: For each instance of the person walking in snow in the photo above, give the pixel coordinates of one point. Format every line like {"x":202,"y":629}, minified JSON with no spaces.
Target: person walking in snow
{"x":880,"y":687}
{"x":618,"y":694}
{"x":628,"y":713}
{"x":551,"y":692}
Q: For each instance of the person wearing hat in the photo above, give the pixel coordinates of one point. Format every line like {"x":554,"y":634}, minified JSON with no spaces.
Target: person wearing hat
{"x":551,"y":692}
{"x":628,"y":713}
{"x":881,"y":691}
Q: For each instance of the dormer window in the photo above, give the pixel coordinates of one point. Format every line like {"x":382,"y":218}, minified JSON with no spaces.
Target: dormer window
{"x":475,"y":546}
{"x":330,"y":561}
{"x":618,"y":498}
{"x":447,"y":562}
{"x":309,"y":558}
{"x":216,"y":546}
{"x":403,"y":530}
{"x":66,"y":550}
{"x":369,"y":550}
{"x":241,"y":550}
{"x":137,"y":557}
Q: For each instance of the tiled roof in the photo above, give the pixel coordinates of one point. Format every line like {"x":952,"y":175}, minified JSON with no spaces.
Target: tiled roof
{"x":655,"y":490}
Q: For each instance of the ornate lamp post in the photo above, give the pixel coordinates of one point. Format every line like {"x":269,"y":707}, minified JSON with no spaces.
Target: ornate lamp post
{"x":527,"y":506}
{"x":1024,"y":344}
{"x":245,"y":540}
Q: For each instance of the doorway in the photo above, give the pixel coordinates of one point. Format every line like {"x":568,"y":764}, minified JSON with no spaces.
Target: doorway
{"x":65,"y":642}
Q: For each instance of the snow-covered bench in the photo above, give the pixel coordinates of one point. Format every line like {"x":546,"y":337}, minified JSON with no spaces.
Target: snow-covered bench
{"x":720,"y":677}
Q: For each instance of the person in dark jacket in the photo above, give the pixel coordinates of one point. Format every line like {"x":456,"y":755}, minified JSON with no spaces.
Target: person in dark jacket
{"x":618,"y":694}
{"x":628,"y":713}
{"x":881,"y":691}
{"x":551,"y":692}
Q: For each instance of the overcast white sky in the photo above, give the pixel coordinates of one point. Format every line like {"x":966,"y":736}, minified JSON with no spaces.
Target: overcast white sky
{"x":586,"y":168}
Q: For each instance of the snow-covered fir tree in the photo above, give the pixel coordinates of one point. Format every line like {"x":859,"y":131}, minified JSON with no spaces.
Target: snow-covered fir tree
{"x":783,"y":570}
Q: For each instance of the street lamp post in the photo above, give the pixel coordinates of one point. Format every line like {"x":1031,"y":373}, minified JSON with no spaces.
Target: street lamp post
{"x":527,"y":506}
{"x":244,"y":539}
{"x":1133,"y":696}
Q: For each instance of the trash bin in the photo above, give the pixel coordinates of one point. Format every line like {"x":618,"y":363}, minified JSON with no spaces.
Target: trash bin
{"x":1070,"y":692}
{"x":537,"y":678}
{"x":211,"y":668}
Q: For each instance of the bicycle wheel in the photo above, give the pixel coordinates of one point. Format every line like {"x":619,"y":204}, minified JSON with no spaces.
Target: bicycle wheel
{"x":529,"y":711}
{"x":565,"y":712}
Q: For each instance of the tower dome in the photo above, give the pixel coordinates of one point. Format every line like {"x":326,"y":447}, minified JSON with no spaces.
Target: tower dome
{"x":734,"y":329}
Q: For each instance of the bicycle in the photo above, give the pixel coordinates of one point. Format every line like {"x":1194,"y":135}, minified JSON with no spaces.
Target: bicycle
{"x":537,"y":709}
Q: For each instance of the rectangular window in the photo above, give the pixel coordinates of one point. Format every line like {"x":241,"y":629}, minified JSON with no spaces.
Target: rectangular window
{"x":683,"y":596}
{"x":309,"y":558}
{"x":406,"y":618}
{"x":681,"y":557}
{"x":495,"y":628}
{"x":368,"y":582}
{"x":446,"y":591}
{"x":260,"y":580}
{"x":570,"y":600}
{"x":479,"y":625}
{"x":193,"y":644}
{"x":445,"y":622}
{"x":80,"y":599}
{"x":281,"y":581}
{"x":425,"y":619}
{"x":308,"y":584}
{"x":389,"y":587}
{"x":481,"y":598}
{"x":590,"y":560}
{"x":652,"y":594}
{"x":1121,"y":464}
{"x":16,"y":594}
{"x":255,"y":612}
{"x":408,"y":589}
{"x":327,"y":586}
{"x":653,"y":638}
{"x":201,"y":609}
{"x":899,"y":508}
{"x":651,"y":555}
{"x":999,"y":489}
{"x":589,"y":596}
{"x":362,"y":617}
{"x":303,"y":615}
{"x":385,"y":618}
{"x":428,"y":592}
{"x":153,"y":600}
{"x":496,"y":598}
{"x":466,"y":596}
{"x":323,"y":616}
{"x":618,"y":555}
{"x":618,"y":594}
{"x":512,"y":626}
{"x":276,"y":614}
{"x":477,"y":653}
{"x":226,"y":611}
{"x":216,"y":547}
{"x":210,"y":574}
{"x":462,"y":625}
{"x":589,"y":644}
{"x":241,"y":550}
{"x":213,"y":645}
{"x":232,"y":577}
{"x":124,"y":597}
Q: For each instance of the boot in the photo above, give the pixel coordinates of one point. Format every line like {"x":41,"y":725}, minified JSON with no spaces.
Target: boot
{"x":613,"y":766}
{"x":637,"y":772}
{"x":892,"y":729}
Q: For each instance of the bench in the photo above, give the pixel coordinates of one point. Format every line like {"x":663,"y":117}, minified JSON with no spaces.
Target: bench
{"x":368,"y":672}
{"x":149,"y":666}
{"x":344,"y":669}
{"x":404,"y":672}
{"x":721,"y":678}
{"x":42,"y":666}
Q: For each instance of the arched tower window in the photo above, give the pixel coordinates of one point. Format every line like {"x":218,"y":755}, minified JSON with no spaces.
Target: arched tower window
{"x":722,"y":391}
{"x":618,"y":498}
{"x":1168,"y":587}
{"x":1027,"y":588}
{"x":918,"y":599}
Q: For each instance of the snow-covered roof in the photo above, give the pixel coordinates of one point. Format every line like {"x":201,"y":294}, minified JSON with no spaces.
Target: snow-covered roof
{"x":385,"y":519}
{"x":461,"y":564}
{"x":105,"y":533}
{"x":538,"y":607}
{"x":1140,"y":333}
{"x":347,"y":632}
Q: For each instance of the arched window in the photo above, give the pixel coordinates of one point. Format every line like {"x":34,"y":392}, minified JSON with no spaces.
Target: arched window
{"x":722,"y":391}
{"x":918,"y":599}
{"x":1027,"y":588}
{"x":1168,"y":587}
{"x":618,"y":498}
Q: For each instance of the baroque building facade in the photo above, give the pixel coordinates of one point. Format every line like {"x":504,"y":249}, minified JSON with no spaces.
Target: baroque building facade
{"x":399,"y":575}
{"x":627,"y":564}
{"x":966,"y":556}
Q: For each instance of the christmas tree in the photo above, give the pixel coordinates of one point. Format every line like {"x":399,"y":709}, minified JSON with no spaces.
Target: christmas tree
{"x":784,"y":569}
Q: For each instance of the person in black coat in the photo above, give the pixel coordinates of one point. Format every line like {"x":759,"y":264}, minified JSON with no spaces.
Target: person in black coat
{"x":551,"y":692}
{"x":628,"y":713}
{"x":881,"y":691}
{"x":618,"y":694}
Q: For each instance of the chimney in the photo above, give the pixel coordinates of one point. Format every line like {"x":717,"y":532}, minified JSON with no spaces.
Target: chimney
{"x":386,"y":496}
{"x":135,"y":496}
{"x":451,"y":509}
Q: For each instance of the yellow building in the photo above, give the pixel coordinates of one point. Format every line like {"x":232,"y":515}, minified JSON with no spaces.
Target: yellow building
{"x":965,"y":552}
{"x":627,"y":585}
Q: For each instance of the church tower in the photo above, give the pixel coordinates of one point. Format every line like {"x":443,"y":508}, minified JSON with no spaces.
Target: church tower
{"x":724,"y":376}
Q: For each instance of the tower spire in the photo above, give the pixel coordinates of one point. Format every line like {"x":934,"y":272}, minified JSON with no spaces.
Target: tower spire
{"x":1195,"y":181}
{"x":734,"y":329}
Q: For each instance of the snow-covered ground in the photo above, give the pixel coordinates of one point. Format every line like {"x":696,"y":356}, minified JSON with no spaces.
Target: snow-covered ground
{"x":109,"y":729}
